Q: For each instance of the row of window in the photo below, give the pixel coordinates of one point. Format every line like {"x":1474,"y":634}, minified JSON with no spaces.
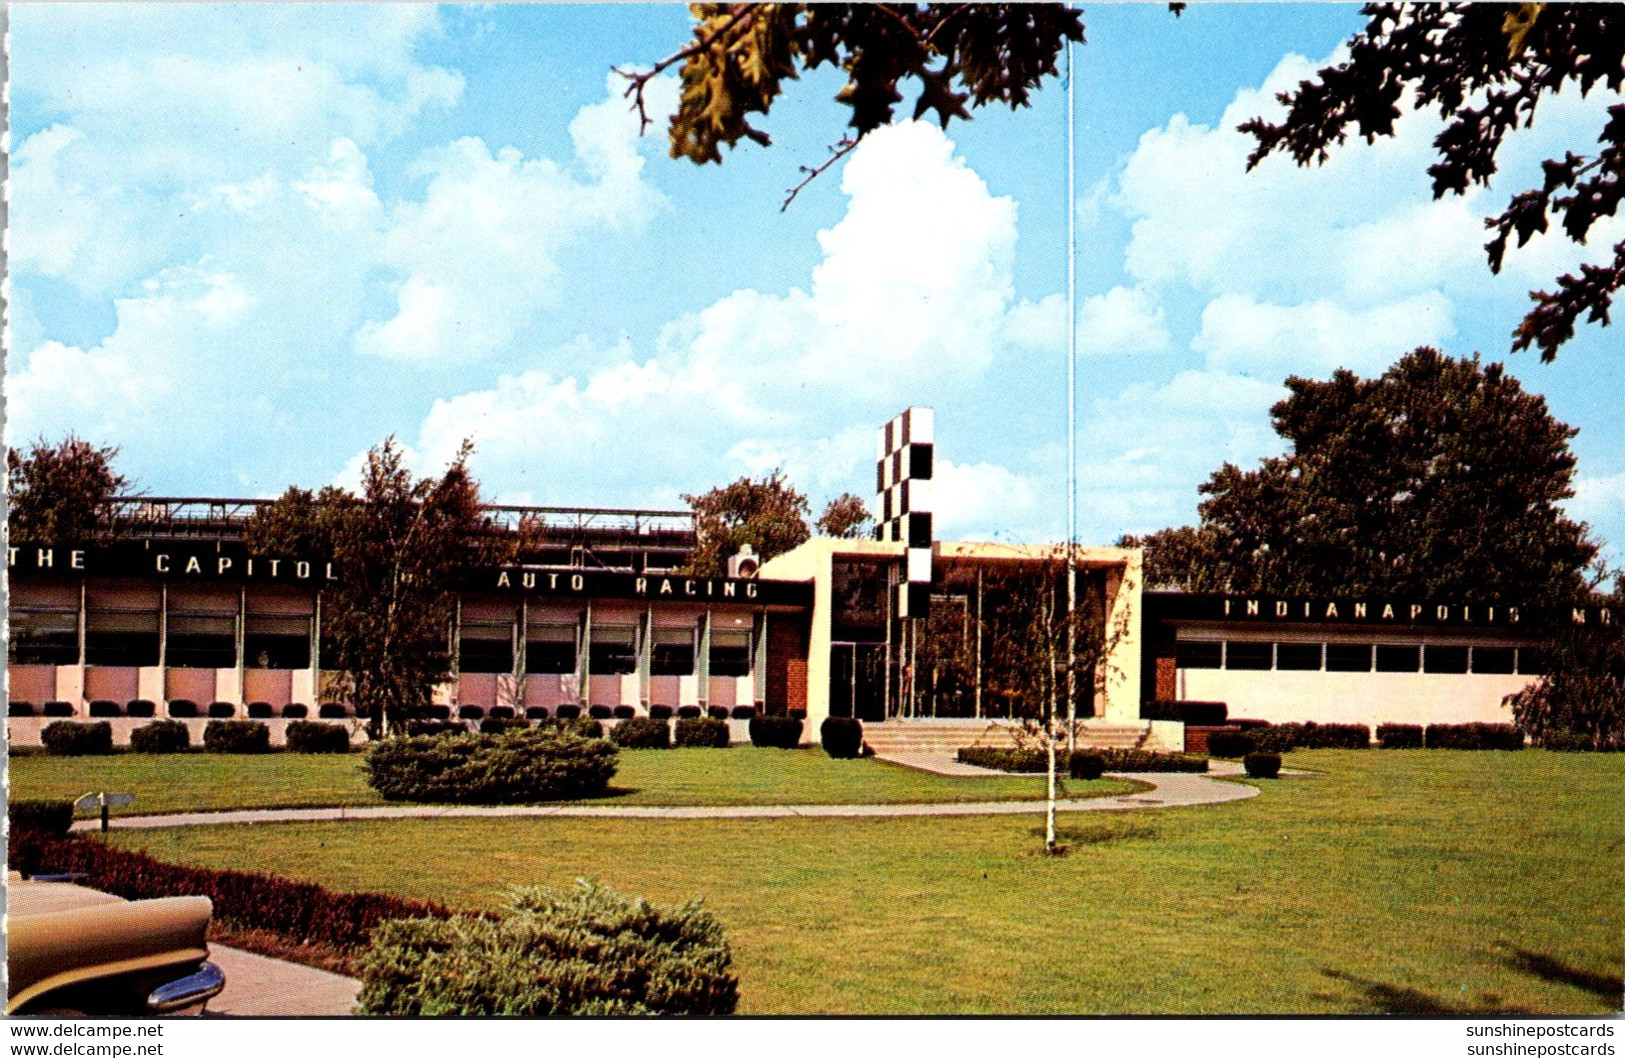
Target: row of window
{"x":1249,"y":656}
{"x":612,"y":652}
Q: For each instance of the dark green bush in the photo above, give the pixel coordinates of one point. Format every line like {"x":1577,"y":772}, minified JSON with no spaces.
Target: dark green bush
{"x":600,"y":712}
{"x":236,"y":736}
{"x":160,"y":736}
{"x":567,"y":712}
{"x":841,"y":736}
{"x":140,"y":707}
{"x":641,"y":732}
{"x":260,"y":711}
{"x":295,"y":711}
{"x":536,"y":712}
{"x":436,"y":727}
{"x":660,"y":712}
{"x":222,"y":710}
{"x":184,"y":708}
{"x":333,"y":711}
{"x":466,"y":712}
{"x":71,"y":738}
{"x":495,"y":725}
{"x":58,"y":708}
{"x":688,"y":712}
{"x":1229,"y":744}
{"x":20,"y":709}
{"x":1149,"y":760}
{"x":101,"y":707}
{"x":588,"y":952}
{"x":53,"y":817}
{"x":625,"y":712}
{"x":1087,"y":766}
{"x":1199,"y":714}
{"x":1472,"y":736}
{"x":1399,"y":736}
{"x":500,"y":712}
{"x":438,"y":712}
{"x":1007,"y":758}
{"x":546,"y":763}
{"x":581,"y":726}
{"x":717,"y":712}
{"x":777,"y":732}
{"x":743,"y":712}
{"x":1262,"y":765}
{"x":1282,"y":737}
{"x":313,"y":736}
{"x":1567,"y":742}
{"x":706,"y":732}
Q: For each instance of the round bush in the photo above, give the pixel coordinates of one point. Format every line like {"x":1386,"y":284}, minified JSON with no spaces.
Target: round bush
{"x":1262,"y":765}
{"x":625,"y":712}
{"x":717,"y":712}
{"x":58,"y":708}
{"x":546,"y":763}
{"x":140,"y":707}
{"x":102,"y":707}
{"x":70,"y":738}
{"x":492,"y":725}
{"x":160,"y":736}
{"x":20,"y":709}
{"x":567,"y":712}
{"x":260,"y":711}
{"x":703,"y":732}
{"x":743,"y":712}
{"x":236,"y":736}
{"x":295,"y":711}
{"x":660,"y":712}
{"x":1087,"y":766}
{"x":842,"y":736}
{"x":501,"y":712}
{"x":182,"y":707}
{"x":1229,"y":744}
{"x":600,"y":712}
{"x":439,"y":712}
{"x":313,"y":736}
{"x":436,"y":727}
{"x":777,"y":732}
{"x":643,"y":732}
{"x":222,"y":710}
{"x":536,"y":712}
{"x":333,"y":711}
{"x":688,"y":712}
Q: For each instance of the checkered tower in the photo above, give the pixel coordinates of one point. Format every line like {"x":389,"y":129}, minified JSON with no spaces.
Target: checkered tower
{"x":903,"y":498}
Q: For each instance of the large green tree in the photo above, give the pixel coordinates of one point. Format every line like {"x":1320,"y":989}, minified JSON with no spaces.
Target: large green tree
{"x":1440,"y":479}
{"x":845,"y":517}
{"x":767,"y":513}
{"x":399,"y":548}
{"x":58,"y":493}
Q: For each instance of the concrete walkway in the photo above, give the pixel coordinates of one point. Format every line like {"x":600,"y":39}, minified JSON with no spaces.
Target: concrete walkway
{"x":1169,"y":790}
{"x":258,"y":986}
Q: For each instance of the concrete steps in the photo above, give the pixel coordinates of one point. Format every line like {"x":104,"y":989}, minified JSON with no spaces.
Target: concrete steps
{"x":917,"y":737}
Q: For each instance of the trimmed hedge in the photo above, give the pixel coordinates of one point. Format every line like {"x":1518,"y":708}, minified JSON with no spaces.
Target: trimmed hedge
{"x":1087,"y":766}
{"x":717,"y":712}
{"x":546,"y":763}
{"x":588,"y":952}
{"x":1229,"y":744}
{"x":495,"y":725}
{"x":501,"y":712}
{"x":625,"y":712}
{"x":600,"y":712}
{"x":706,"y":732}
{"x":1281,"y":738}
{"x":160,"y":736}
{"x":567,"y":712}
{"x":1008,"y":758}
{"x":333,"y":711}
{"x":660,"y":712}
{"x":295,"y":711}
{"x":743,"y":712}
{"x":184,"y":708}
{"x":260,"y":711}
{"x":643,"y":732}
{"x":688,"y":712}
{"x":236,"y":736}
{"x":536,"y":712}
{"x":297,"y":911}
{"x":1262,"y":765}
{"x":20,"y":709}
{"x":438,"y":712}
{"x":1035,"y":761}
{"x":1149,"y":760}
{"x":841,"y":737}
{"x":222,"y":710}
{"x":470,"y":712}
{"x":1472,"y":736}
{"x":57,"y":708}
{"x":52,"y":817}
{"x":140,"y":707}
{"x":102,"y":707}
{"x":1399,"y":736}
{"x":71,"y":738}
{"x":775,"y":732}
{"x":436,"y":727}
{"x":313,"y":736}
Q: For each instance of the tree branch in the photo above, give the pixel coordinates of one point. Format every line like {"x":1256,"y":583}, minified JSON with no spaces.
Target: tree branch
{"x":740,"y":13}
{"x":836,"y":153}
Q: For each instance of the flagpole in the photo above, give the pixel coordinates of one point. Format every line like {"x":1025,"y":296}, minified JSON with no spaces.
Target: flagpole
{"x":1071,"y":409}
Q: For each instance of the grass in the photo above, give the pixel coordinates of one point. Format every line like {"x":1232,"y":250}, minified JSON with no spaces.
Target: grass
{"x":1429,"y":882}
{"x":740,"y":775}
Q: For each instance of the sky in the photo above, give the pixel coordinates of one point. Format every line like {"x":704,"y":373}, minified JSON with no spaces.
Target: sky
{"x":248,"y":243}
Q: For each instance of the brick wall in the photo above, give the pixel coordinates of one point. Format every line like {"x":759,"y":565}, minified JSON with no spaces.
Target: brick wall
{"x":787,"y":639}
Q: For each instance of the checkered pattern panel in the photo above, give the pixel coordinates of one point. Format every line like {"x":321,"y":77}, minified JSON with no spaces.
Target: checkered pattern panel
{"x":903,"y":470}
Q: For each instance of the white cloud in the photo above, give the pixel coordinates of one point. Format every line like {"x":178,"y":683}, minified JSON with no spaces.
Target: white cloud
{"x":974,"y":500}
{"x":1124,"y":321}
{"x":1313,"y":339}
{"x":1600,"y":500}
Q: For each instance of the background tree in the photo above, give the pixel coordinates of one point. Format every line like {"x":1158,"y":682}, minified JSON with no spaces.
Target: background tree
{"x":769,"y":515}
{"x":1486,"y":68}
{"x":1173,"y":557}
{"x":1440,"y":479}
{"x":1580,"y":703}
{"x":59,"y":492}
{"x":400,"y":548}
{"x":845,"y":517}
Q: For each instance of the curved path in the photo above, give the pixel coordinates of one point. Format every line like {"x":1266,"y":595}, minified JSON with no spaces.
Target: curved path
{"x":1168,"y":790}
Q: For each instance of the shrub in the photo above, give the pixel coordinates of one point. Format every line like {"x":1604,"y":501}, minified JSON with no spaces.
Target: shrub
{"x":660,"y":712}
{"x":1262,"y":765}
{"x":600,"y":712}
{"x":1315,"y":736}
{"x":799,"y":714}
{"x":588,"y":952}
{"x":1087,"y":766}
{"x":436,"y":727}
{"x":1274,"y":739}
{"x":1566,"y":742}
{"x":777,"y":732}
{"x":501,"y":712}
{"x":567,"y":712}
{"x":1148,"y":760}
{"x":470,"y":712}
{"x":1005,"y":758}
{"x":57,"y":708}
{"x":688,"y":712}
{"x":644,"y":732}
{"x":1472,"y":736}
{"x":438,"y":712}
{"x":295,"y":711}
{"x":841,"y":736}
{"x":1231,"y":744}
{"x":625,"y":712}
{"x":542,"y":764}
{"x":236,"y":736}
{"x":333,"y":711}
{"x":70,"y":738}
{"x":101,"y":707}
{"x":222,"y":710}
{"x":495,"y":725}
{"x":260,"y":711}
{"x":160,"y":736}
{"x":535,"y":712}
{"x":707,"y":732}
{"x":581,"y":726}
{"x":1399,"y":736}
{"x":182,"y":707}
{"x":20,"y":709}
{"x":717,"y":712}
{"x":1246,"y":724}
{"x":313,"y":736}
{"x":49,"y":817}
{"x":1583,"y":692}
{"x":743,"y":712}
{"x":140,"y":707}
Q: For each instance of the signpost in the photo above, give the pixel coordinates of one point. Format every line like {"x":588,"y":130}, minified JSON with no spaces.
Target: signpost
{"x":104,"y":801}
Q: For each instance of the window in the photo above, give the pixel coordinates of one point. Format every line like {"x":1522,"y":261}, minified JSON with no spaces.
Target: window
{"x":730,"y":652}
{"x":1497,"y":660}
{"x":550,"y":649}
{"x":1533,"y":661}
{"x":485,"y":646}
{"x":673,"y":652}
{"x":1195,"y":654}
{"x":614,"y":651}
{"x":1348,"y":657}
{"x":201,"y":641}
{"x":1394,"y":658}
{"x":276,"y":641}
{"x":44,"y":637}
{"x":121,"y":637}
{"x":1444,"y":659}
{"x":1249,"y":656}
{"x":1298,"y":657}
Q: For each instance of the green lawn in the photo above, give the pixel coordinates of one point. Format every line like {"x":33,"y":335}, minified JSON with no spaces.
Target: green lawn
{"x":1418,"y":881}
{"x":739,"y":775}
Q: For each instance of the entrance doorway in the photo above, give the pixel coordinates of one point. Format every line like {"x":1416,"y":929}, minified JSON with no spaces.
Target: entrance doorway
{"x":857,"y":680}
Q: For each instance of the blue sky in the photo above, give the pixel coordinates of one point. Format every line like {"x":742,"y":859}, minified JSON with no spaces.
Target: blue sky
{"x":249,"y":242}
